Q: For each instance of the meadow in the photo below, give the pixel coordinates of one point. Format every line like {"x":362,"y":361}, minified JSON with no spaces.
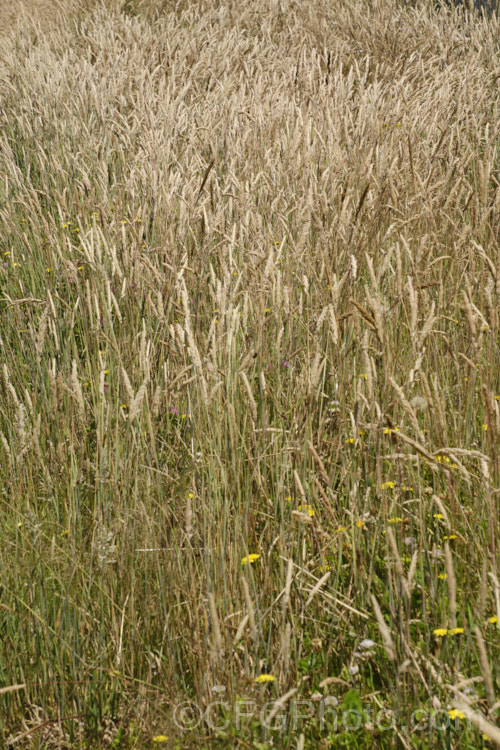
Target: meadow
{"x":249,"y":375}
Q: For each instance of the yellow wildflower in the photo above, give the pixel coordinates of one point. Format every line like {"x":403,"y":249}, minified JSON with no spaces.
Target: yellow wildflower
{"x":265,"y":678}
{"x":307,"y":509}
{"x":493,"y":620}
{"x":387,"y":486}
{"x":454,"y":713}
{"x":455,"y":631}
{"x":250,"y":559}
{"x":396,"y":519}
{"x":160,"y":738}
{"x":440,"y":632}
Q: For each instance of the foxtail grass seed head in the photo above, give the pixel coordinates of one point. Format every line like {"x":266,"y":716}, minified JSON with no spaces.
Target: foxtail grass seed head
{"x":215,"y":623}
{"x":384,"y":630}
{"x":249,"y":606}
{"x":452,"y":586}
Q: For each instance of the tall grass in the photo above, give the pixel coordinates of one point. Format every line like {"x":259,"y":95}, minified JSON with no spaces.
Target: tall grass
{"x":249,"y":388}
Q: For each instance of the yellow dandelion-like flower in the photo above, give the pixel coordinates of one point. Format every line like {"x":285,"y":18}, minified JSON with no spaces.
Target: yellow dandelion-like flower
{"x":396,"y":519}
{"x":438,"y":516}
{"x":387,"y":486}
{"x":160,"y":738}
{"x":342,"y":528}
{"x":350,"y":441}
{"x":493,"y":620}
{"x":360,"y":524}
{"x":268,"y":310}
{"x":455,"y":631}
{"x":191,"y":495}
{"x":440,"y":632}
{"x":443,"y":576}
{"x":485,"y":427}
{"x":389,"y":430}
{"x":250,"y":559}
{"x":451,"y":537}
{"x":454,"y":713}
{"x":443,"y":459}
{"x":307,"y":509}
{"x":325,"y":568}
{"x":265,"y":678}
{"x":363,"y":376}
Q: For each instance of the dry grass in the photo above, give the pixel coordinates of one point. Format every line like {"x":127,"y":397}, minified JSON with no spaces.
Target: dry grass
{"x":249,"y":305}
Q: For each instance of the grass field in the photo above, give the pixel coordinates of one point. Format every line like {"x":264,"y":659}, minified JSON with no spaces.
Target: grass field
{"x":249,"y":375}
